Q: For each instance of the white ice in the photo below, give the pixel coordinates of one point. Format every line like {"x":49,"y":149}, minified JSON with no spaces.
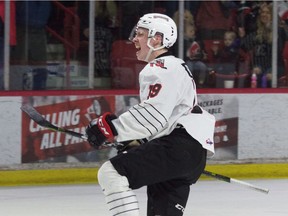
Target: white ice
{"x":207,"y":198}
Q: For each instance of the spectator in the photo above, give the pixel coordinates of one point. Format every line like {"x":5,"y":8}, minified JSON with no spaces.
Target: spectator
{"x":189,"y":37}
{"x":214,"y":18}
{"x":31,"y":49}
{"x":283,"y":43}
{"x":247,"y":15}
{"x":12,"y":36}
{"x":105,"y":21}
{"x":259,"y":44}
{"x":229,"y":61}
{"x":188,"y":18}
{"x":196,"y":65}
{"x":227,"y":58}
{"x":189,"y":32}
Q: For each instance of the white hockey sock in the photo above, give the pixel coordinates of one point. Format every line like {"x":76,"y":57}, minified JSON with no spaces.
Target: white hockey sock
{"x":123,"y":203}
{"x":120,"y":198}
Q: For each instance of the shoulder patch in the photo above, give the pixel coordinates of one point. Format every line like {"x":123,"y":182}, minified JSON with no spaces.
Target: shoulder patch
{"x":158,"y":63}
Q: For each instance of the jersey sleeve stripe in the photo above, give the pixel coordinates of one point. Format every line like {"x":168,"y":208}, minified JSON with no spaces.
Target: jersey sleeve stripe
{"x":145,"y":118}
{"x":157,"y":111}
{"x":140,"y":122}
{"x":151,"y":115}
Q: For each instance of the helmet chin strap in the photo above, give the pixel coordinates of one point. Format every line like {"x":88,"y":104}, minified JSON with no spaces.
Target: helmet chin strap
{"x":151,"y":50}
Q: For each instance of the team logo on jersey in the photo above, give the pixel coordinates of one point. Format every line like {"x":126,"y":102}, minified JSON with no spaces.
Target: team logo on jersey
{"x":158,"y":63}
{"x":180,"y":207}
{"x":209,"y":142}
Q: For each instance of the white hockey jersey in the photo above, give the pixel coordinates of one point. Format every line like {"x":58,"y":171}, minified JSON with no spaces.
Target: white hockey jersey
{"x":168,"y":95}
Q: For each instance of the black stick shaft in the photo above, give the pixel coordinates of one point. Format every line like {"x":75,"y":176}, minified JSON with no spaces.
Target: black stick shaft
{"x":39,"y":119}
{"x":232,"y":180}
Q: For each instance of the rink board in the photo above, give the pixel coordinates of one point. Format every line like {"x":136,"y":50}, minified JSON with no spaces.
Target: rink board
{"x":89,"y":175}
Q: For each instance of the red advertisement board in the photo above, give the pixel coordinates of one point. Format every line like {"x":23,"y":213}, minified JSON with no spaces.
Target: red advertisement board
{"x":42,"y":144}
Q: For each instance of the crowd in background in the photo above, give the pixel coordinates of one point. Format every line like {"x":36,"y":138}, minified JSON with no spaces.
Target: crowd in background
{"x":223,"y":40}
{"x":231,"y":42}
{"x":226,"y":43}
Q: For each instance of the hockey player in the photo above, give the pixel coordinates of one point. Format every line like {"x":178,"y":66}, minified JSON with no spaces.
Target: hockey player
{"x":178,"y":132}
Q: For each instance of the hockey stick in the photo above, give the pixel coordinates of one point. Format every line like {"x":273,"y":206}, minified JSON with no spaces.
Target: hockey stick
{"x":232,"y":180}
{"x":39,"y":119}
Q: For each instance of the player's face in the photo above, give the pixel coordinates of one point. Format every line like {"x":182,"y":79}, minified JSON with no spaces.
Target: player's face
{"x":140,"y":41}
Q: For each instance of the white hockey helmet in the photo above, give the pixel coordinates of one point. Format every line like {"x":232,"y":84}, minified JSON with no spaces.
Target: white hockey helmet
{"x":159,"y":23}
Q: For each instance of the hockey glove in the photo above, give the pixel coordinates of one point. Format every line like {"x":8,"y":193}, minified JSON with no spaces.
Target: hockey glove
{"x":101,"y":129}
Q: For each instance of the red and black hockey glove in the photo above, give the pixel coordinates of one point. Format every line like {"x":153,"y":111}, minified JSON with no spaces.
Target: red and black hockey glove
{"x":101,"y":129}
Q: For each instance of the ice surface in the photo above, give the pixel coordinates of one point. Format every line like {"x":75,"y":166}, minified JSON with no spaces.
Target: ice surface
{"x":207,"y":198}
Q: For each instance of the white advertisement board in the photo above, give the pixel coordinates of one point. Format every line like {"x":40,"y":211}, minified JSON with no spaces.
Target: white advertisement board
{"x":248,"y":126}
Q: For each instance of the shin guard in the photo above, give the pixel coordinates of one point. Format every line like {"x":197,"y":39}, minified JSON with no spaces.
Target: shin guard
{"x":120,"y":198}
